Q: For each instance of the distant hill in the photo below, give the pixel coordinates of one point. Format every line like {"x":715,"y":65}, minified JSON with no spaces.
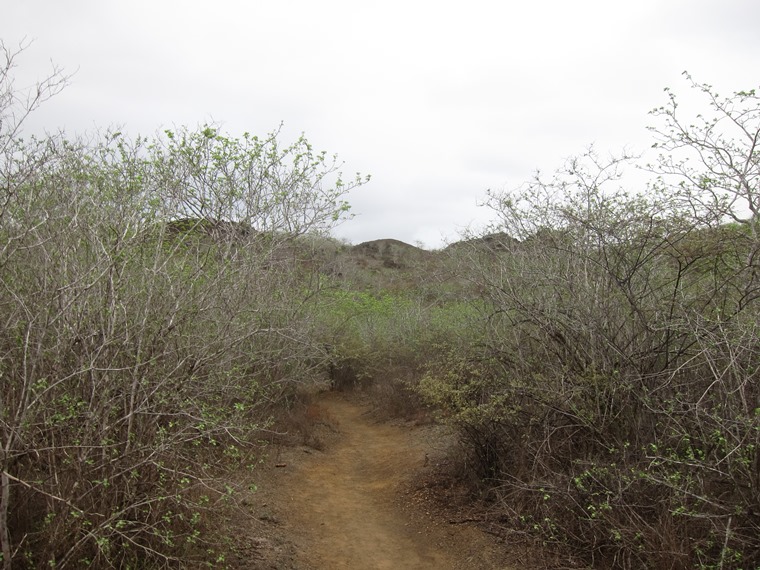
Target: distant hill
{"x":390,"y":253}
{"x":494,"y":242}
{"x":378,"y":244}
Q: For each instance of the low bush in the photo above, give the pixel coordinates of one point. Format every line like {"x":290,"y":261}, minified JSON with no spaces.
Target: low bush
{"x":613,"y":410}
{"x":154,"y":310}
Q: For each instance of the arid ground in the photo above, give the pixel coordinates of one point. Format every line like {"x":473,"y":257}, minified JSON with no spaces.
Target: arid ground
{"x":362,"y":502}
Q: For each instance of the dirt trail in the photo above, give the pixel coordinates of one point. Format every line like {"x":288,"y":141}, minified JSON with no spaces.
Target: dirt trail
{"x":344,"y":509}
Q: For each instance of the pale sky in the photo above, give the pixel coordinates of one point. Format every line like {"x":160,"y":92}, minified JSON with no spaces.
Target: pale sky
{"x":437,"y":100}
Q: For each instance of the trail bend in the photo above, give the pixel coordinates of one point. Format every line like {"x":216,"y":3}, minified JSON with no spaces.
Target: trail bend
{"x":346,"y":509}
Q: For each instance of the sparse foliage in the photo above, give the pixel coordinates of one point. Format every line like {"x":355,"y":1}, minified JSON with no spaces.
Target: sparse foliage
{"x":154,"y":306}
{"x":615,"y":412}
{"x":598,"y":355}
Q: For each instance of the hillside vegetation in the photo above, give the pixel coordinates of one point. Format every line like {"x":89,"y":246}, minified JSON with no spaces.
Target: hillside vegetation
{"x":598,"y":351}
{"x":622,"y":410}
{"x":165,"y":300}
{"x":155,"y":315}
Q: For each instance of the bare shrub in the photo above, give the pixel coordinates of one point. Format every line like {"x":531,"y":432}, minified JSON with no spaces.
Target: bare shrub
{"x":614,"y":409}
{"x":153,"y":309}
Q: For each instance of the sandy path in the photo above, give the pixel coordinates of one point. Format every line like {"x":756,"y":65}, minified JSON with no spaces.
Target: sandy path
{"x":344,"y":503}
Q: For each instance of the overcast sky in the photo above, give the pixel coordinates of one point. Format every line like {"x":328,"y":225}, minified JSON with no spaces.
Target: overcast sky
{"x":437,"y":100}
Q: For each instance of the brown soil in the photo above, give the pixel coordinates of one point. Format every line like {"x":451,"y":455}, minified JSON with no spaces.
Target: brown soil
{"x":359,"y":503}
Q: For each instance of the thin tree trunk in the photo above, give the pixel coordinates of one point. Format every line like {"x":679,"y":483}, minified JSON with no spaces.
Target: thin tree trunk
{"x":5,"y":538}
